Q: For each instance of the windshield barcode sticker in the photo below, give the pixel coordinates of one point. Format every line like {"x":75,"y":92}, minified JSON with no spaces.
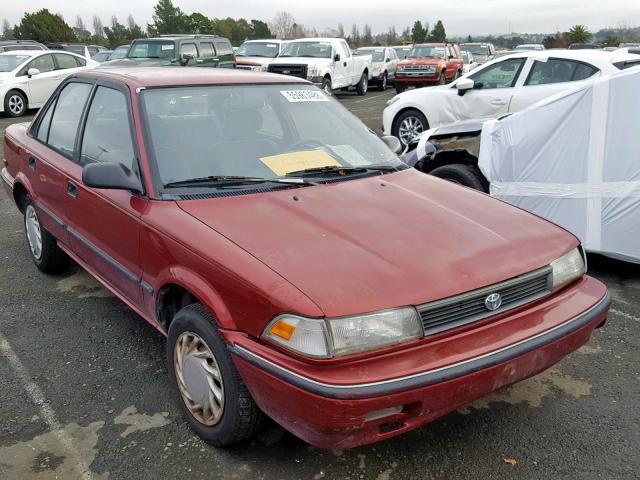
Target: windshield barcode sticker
{"x":167,"y":47}
{"x":304,"y":96}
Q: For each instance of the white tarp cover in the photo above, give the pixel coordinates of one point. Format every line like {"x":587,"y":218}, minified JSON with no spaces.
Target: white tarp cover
{"x":574,"y":159}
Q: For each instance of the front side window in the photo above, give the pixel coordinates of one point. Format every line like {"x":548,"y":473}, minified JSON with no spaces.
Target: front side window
{"x":557,"y":70}
{"x":307,"y":49}
{"x":265,"y":131}
{"x":107,"y":134}
{"x":44,"y":63}
{"x":499,"y":75}
{"x":189,"y":48}
{"x":66,"y":117}
{"x":65,"y":61}
{"x":206,"y":49}
{"x":476,"y":49}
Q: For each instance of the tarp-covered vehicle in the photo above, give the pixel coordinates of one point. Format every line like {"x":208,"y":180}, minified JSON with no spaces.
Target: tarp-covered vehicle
{"x":573,"y":159}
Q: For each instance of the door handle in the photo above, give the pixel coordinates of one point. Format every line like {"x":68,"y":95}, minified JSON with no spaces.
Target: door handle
{"x":199,"y":60}
{"x":72,"y":190}
{"x":216,"y":59}
{"x":498,"y":102}
{"x":345,"y":64}
{"x":32,"y":163}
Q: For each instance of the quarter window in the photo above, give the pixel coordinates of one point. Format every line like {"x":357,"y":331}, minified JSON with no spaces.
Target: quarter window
{"x":65,"y":61}
{"x":557,"y":70}
{"x":223,"y":48}
{"x":499,"y":75}
{"x":66,"y":117}
{"x":206,"y":49}
{"x":107,"y":134}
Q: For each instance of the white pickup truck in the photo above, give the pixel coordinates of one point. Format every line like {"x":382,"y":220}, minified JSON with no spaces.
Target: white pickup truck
{"x":327,"y":62}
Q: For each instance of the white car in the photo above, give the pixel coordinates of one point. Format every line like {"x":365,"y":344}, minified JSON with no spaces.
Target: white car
{"x":384,"y":63}
{"x":530,"y":46}
{"x":504,"y":85}
{"x":469,"y":62}
{"x":29,"y":77}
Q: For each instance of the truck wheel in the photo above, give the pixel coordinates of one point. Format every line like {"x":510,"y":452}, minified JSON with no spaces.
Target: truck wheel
{"x":43,"y":246}
{"x":400,"y":88}
{"x":465,"y":175}
{"x":213,"y":398}
{"x":15,"y":104}
{"x":409,"y":124}
{"x":443,"y":78}
{"x":456,"y":75}
{"x":363,"y":84}
{"x":326,"y":86}
{"x":383,"y":83}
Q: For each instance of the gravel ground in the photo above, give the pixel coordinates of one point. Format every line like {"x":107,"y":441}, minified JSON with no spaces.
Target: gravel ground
{"x":84,"y":394}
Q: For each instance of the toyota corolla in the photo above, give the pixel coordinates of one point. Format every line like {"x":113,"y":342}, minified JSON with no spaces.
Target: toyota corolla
{"x":296,"y":266}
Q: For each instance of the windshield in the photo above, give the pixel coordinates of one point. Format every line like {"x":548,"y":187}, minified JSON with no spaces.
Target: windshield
{"x":307,"y":49}
{"x":402,"y":52}
{"x":9,"y":63}
{"x":154,"y":49}
{"x":465,"y":57}
{"x":119,"y":52}
{"x":419,"y":52}
{"x":476,"y":49}
{"x":258,"y":49}
{"x":261,"y":131}
{"x":377,"y":54}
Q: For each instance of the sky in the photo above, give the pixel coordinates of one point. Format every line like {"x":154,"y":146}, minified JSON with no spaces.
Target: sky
{"x":460,"y":17}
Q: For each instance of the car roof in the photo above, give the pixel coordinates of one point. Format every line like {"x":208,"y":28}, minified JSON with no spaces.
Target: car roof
{"x":270,"y":40}
{"x":589,"y":55}
{"x":430,"y":44}
{"x":30,"y":53}
{"x":174,"y":76}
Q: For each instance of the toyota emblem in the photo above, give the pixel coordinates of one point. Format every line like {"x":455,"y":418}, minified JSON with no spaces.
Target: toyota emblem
{"x":493,"y":301}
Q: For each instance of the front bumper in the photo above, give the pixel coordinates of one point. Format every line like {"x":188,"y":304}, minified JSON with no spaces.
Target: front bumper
{"x":339,"y":414}
{"x":405,"y":79}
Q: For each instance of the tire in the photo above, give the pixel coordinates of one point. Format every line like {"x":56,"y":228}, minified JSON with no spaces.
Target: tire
{"x":43,"y":246}
{"x":443,"y":78}
{"x":326,"y":86}
{"x":239,"y":416}
{"x":400,"y":88}
{"x":363,"y":85}
{"x":408,"y":124}
{"x":456,"y":75}
{"x":382,"y":86}
{"x":15,"y":103}
{"x":466,"y":175}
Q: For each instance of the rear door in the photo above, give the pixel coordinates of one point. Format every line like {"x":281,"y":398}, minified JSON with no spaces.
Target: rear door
{"x":106,"y":227}
{"x":207,"y":55}
{"x":224,"y":53}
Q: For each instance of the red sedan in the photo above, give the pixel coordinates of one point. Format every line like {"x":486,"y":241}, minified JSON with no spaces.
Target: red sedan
{"x":297,"y":267}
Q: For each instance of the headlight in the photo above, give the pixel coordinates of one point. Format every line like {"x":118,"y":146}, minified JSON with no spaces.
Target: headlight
{"x":430,"y":69}
{"x":568,"y":268}
{"x":325,"y":338}
{"x":393,"y":100}
{"x":312,"y":72}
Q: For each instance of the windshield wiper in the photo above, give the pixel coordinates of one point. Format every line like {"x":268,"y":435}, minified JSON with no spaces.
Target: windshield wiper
{"x":340,"y":170}
{"x":232,"y":180}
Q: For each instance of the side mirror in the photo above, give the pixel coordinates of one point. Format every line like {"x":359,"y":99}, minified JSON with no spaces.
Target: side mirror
{"x":387,"y":59}
{"x":463,"y":85}
{"x":393,"y":143}
{"x":185,"y":57}
{"x":33,"y":71}
{"x":336,"y":57}
{"x":451,"y":57}
{"x":112,"y":176}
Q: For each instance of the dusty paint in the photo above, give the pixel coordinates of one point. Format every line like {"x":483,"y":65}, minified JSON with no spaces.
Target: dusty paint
{"x":140,"y":422}
{"x":82,"y":285}
{"x":45,"y":458}
{"x":533,"y":390}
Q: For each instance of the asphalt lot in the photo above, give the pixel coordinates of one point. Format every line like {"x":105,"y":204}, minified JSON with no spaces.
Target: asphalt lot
{"x":84,"y":393}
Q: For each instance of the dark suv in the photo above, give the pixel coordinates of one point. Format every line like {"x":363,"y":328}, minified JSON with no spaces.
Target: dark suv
{"x":10,"y":45}
{"x":192,"y":50}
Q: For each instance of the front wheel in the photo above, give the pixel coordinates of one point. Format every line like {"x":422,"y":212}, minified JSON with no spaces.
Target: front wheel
{"x":213,"y":398}
{"x":466,"y":175}
{"x":383,"y":83}
{"x":409,"y":124}
{"x":443,"y":78}
{"x":15,"y":104}
{"x":363,"y":85}
{"x":326,"y":86}
{"x":43,"y":246}
{"x":400,"y":88}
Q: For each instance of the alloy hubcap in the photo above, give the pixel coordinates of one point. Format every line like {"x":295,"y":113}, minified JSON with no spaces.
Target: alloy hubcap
{"x":34,"y":234}
{"x":16,"y":104}
{"x":384,"y":82}
{"x":410,"y":127}
{"x":365,"y":83}
{"x":327,"y":88}
{"x":199,"y":378}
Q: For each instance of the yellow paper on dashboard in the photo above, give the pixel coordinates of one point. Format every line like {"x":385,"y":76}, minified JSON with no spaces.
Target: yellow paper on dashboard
{"x":295,"y":161}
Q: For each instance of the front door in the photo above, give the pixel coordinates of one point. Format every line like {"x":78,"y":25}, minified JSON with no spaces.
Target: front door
{"x":106,"y":227}
{"x":42,"y":85}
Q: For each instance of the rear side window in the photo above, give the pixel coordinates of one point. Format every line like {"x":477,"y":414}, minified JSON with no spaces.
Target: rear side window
{"x":206,"y":49}
{"x":223,"y":48}
{"x":558,"y":70}
{"x":107,"y":134}
{"x":189,"y":48}
{"x":65,"y":61}
{"x":66,"y":117}
{"x":80,"y":61}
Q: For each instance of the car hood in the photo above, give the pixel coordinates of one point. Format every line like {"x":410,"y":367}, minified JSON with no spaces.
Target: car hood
{"x":400,"y":239}
{"x":5,"y":75}
{"x":299,"y":60}
{"x":253,"y":60}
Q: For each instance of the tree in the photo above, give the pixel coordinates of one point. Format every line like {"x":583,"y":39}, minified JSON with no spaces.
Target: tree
{"x":282,"y":25}
{"x":80,"y":31}
{"x":199,"y":23}
{"x":259,"y":29}
{"x":367,"y":37}
{"x":98,"y":30}
{"x":418,"y":32}
{"x":391,"y":36}
{"x":43,"y":26}
{"x":7,"y":31}
{"x":168,"y":19}
{"x":135,"y":30}
{"x":578,"y":34}
{"x":340,"y":32}
{"x":354,"y":38}
{"x":438,"y":33}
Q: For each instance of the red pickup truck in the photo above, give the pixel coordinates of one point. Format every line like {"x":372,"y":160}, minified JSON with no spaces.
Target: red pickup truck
{"x":299,"y":270}
{"x":429,"y":64}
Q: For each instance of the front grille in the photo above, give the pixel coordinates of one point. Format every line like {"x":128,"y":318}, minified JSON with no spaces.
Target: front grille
{"x":418,"y":68}
{"x":293,"y":70}
{"x":243,"y":67}
{"x":470,"y":307}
